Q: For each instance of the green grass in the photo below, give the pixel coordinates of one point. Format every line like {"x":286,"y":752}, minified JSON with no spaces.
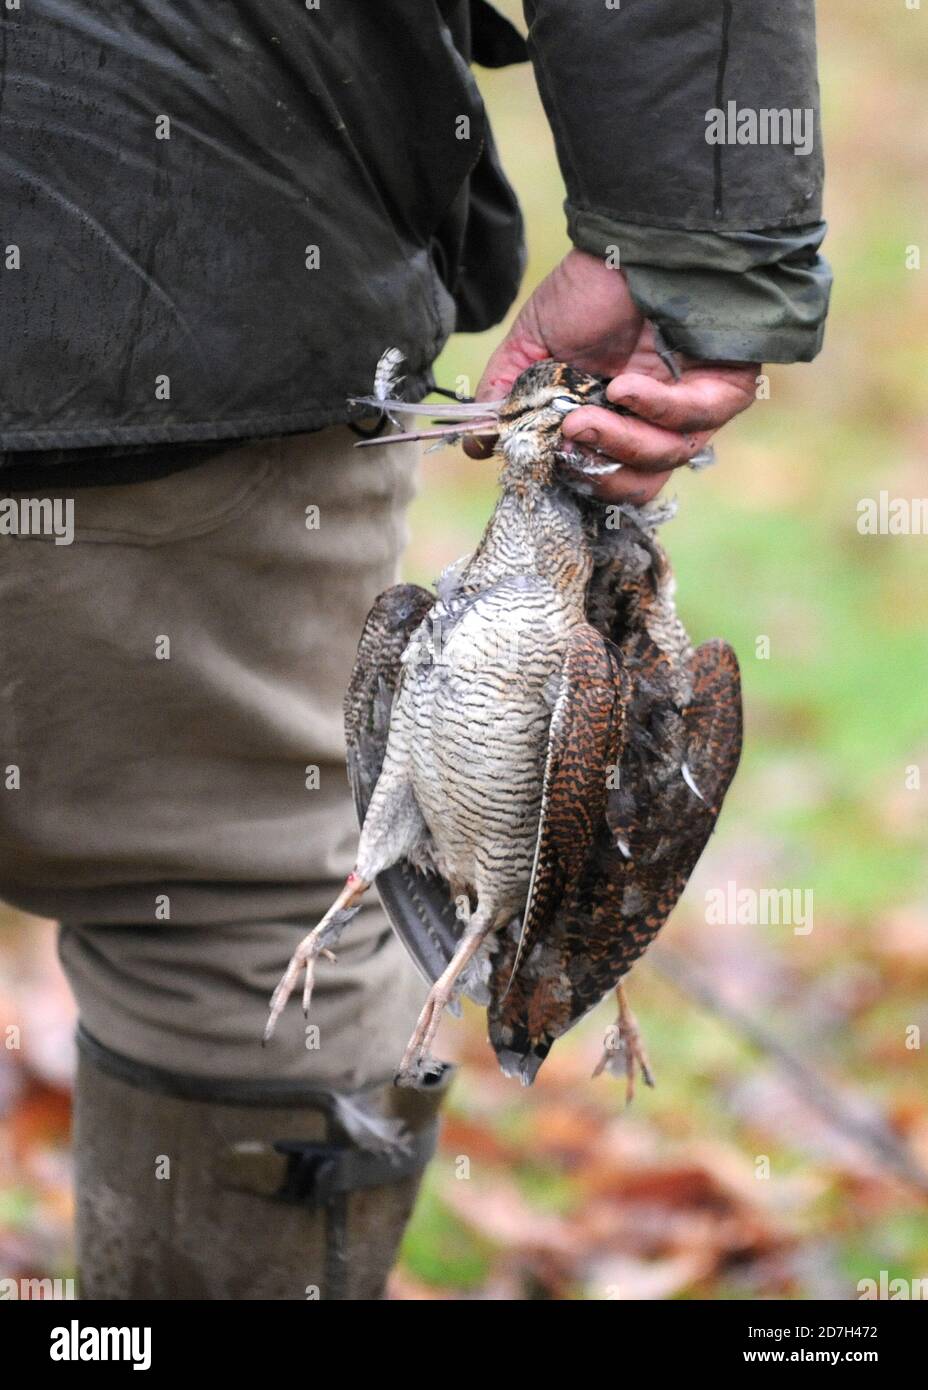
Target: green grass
{"x":767,"y":545}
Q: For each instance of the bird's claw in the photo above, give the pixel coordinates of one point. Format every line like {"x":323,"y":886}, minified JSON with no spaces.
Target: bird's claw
{"x":304,"y":957}
{"x":419,"y":1071}
{"x":315,"y":944}
{"x":625,"y":1045}
{"x":631,"y":1056}
{"x":418,"y":1063}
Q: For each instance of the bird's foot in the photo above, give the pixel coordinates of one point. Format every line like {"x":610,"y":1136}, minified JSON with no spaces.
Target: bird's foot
{"x":304,"y":958}
{"x":317,"y":943}
{"x":418,"y":1062}
{"x":625,"y":1048}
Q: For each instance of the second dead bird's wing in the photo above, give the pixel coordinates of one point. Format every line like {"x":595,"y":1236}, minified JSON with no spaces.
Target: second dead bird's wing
{"x":584,"y":741}
{"x":618,"y":905}
{"x":419,"y":907}
{"x":666,"y":821}
{"x":714,"y":721}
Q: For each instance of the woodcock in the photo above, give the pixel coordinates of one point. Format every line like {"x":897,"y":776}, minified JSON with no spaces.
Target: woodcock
{"x":537,"y":754}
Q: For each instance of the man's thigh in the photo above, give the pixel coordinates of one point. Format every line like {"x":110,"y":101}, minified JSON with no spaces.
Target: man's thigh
{"x":171,"y":735}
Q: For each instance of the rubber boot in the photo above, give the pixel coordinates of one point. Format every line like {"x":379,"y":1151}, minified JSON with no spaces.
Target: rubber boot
{"x":192,"y":1189}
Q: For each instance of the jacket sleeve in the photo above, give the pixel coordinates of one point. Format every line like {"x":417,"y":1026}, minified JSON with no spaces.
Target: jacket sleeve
{"x":689,"y":139}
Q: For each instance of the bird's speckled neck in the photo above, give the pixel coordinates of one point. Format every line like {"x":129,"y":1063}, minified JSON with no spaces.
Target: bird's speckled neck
{"x":535,"y":529}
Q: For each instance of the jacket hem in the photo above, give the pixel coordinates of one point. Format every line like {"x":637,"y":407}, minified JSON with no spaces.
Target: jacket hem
{"x":590,"y":222}
{"x":244,"y":427}
{"x":737,"y":344}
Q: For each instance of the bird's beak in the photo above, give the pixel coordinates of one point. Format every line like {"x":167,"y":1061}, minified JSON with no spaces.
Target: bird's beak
{"x":451,"y":422}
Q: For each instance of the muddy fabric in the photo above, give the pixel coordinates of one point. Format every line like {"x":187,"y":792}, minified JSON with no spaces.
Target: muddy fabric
{"x":187,"y":1205}
{"x":225,"y":210}
{"x":172,"y":710}
{"x":737,"y":296}
{"x":644,"y":74}
{"x":220,"y":212}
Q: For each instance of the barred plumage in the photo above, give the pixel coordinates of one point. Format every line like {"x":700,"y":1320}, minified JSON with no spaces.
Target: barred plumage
{"x":537,"y":755}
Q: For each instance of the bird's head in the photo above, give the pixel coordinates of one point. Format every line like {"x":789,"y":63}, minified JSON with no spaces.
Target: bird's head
{"x":530,"y":419}
{"x":526,"y":424}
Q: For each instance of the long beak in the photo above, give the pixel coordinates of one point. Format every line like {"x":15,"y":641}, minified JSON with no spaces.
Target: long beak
{"x":453,"y":420}
{"x":457,"y":410}
{"x":449,"y":433}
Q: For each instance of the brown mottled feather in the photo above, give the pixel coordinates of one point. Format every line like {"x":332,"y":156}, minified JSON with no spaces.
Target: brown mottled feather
{"x":583,"y":742}
{"x":684,"y":708}
{"x":396,"y":614}
{"x":418,"y":903}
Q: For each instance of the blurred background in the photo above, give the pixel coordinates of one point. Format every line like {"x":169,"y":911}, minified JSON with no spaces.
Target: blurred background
{"x":739,"y":1176}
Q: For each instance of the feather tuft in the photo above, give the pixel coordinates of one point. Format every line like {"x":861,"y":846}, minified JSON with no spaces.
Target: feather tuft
{"x":690,"y":781}
{"x":387,"y":377}
{"x":371,"y":1131}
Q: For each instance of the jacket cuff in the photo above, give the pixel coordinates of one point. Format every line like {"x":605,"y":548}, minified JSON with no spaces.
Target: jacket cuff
{"x":746,"y":296}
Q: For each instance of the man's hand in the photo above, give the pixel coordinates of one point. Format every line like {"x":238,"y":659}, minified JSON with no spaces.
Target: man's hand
{"x":583,"y":314}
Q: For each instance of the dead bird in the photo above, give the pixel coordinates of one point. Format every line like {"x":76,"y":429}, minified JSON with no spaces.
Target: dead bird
{"x":537,"y":754}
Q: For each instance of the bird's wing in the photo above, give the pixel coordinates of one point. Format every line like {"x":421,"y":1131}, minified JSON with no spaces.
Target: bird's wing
{"x":653,"y":831}
{"x":583,"y":742}
{"x":419,"y":906}
{"x":378,"y":667}
{"x":714,"y":720}
{"x":665,"y":810}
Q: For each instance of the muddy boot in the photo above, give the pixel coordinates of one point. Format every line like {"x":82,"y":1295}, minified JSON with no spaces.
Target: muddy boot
{"x":193,"y":1189}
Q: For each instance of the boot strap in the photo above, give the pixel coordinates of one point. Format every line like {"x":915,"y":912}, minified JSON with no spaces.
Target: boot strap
{"x":315,"y":1173}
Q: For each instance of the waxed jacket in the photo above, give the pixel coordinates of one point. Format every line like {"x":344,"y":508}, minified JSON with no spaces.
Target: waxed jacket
{"x":217,"y":213}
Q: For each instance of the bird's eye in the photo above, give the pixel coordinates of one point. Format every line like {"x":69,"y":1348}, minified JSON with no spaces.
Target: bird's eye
{"x":563,"y":404}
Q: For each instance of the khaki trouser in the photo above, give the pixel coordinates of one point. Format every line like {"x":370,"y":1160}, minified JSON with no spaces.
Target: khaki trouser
{"x":171,"y":704}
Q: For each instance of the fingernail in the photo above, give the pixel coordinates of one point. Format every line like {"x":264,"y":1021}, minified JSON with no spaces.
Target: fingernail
{"x":587,"y":437}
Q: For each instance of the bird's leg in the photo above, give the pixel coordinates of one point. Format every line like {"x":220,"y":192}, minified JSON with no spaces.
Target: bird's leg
{"x":416,"y":1057}
{"x":629,"y":1045}
{"x":316,"y":944}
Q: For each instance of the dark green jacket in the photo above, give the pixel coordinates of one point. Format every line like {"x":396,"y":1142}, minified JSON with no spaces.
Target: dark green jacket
{"x":216,"y":214}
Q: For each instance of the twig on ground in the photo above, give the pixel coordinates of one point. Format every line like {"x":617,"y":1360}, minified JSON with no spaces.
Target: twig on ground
{"x":871,"y":1132}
